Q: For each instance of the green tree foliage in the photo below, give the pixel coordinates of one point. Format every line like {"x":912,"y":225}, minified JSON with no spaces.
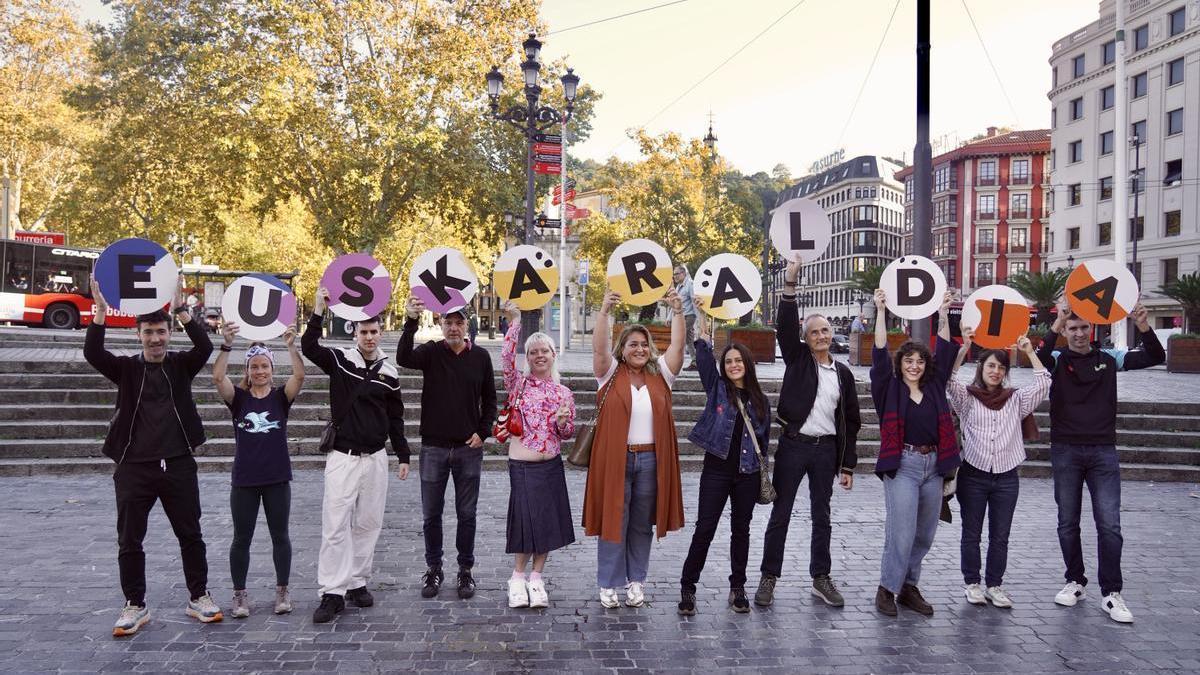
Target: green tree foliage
{"x":1041,"y":289}
{"x":1186,"y":291}
{"x":866,"y":281}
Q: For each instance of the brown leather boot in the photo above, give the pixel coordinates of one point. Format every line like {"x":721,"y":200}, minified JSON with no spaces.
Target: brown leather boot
{"x":885,"y":602}
{"x":911,"y":598}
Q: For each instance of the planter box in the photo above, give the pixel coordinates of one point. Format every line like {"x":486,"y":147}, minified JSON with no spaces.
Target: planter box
{"x":1183,"y":355}
{"x":660,"y":334}
{"x":760,"y":341}
{"x":861,"y":345}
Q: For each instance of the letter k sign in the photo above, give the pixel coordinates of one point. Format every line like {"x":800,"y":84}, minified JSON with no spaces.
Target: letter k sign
{"x":438,"y":280}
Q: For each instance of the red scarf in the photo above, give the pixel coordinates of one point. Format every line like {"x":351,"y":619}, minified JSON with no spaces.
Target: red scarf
{"x":994,"y":399}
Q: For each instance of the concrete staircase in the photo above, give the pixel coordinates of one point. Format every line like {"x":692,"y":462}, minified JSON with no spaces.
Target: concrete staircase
{"x":53,"y":417}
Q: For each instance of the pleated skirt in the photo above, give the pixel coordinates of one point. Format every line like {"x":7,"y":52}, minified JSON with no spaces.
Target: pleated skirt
{"x":539,"y":507}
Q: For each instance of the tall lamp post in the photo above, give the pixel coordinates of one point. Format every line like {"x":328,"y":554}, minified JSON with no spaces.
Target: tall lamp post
{"x":532,"y":119}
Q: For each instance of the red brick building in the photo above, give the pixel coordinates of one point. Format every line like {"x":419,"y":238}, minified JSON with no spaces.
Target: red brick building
{"x":991,"y":207}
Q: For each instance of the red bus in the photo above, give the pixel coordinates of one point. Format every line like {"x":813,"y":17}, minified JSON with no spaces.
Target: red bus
{"x":47,"y":285}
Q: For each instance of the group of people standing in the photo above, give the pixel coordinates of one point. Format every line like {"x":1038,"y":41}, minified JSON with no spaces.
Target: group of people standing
{"x":633,"y":489}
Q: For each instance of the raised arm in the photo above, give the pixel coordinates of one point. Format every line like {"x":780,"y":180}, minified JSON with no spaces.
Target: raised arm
{"x":296,"y":381}
{"x":706,"y":365}
{"x":956,"y":390}
{"x":1151,"y":353}
{"x":407,"y":355}
{"x":310,"y":342}
{"x":674,"y":354}
{"x":968,"y":335}
{"x":787,"y":317}
{"x":880,"y":300}
{"x":220,"y":370}
{"x":1045,"y":352}
{"x":602,"y":336}
{"x":202,"y":347}
{"x":944,"y":317}
{"x":1032,"y":394}
{"x":508,"y":355}
{"x":104,"y":361}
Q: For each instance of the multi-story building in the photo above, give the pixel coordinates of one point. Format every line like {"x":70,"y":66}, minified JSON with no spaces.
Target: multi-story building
{"x":1163,"y":105}
{"x":864,"y":203}
{"x":988,"y":217}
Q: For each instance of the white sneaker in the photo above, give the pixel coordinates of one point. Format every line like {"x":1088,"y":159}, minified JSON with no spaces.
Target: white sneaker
{"x":518,"y":596}
{"x":634,"y":596}
{"x":1115,"y":606}
{"x":998,"y":597}
{"x":608,"y":598}
{"x":974,"y":593}
{"x":538,"y":597}
{"x":1069,"y":595}
{"x":131,"y":619}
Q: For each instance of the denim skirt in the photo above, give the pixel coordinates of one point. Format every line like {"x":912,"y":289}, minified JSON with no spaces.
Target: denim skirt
{"x":539,"y":508}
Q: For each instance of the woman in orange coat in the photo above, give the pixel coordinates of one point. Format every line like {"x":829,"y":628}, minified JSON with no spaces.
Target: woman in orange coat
{"x":633,"y":479}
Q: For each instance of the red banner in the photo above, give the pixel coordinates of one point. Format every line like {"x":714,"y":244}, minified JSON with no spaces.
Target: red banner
{"x":547,"y":167}
{"x":547,"y":149}
{"x":558,"y":198}
{"x":52,"y":238}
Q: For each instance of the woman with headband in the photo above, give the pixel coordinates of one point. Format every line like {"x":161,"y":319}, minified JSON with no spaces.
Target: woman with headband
{"x":262,"y":470}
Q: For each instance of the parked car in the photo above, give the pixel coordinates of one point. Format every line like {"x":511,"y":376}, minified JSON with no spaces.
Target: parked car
{"x":840,"y":344}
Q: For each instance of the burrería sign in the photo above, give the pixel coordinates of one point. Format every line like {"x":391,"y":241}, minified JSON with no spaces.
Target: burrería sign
{"x":832,"y":159}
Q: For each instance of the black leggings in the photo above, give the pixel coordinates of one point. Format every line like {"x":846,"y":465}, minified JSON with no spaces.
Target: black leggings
{"x":243,"y":505}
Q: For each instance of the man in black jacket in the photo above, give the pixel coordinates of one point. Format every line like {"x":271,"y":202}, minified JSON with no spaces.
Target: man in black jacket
{"x":151,"y":438}
{"x":1083,"y":437}
{"x":458,"y":407}
{"x":367,"y":411}
{"x":818,"y":408}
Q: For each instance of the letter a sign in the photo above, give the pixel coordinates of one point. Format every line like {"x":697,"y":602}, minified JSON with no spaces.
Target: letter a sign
{"x":800,"y":229}
{"x":526,"y":275}
{"x":443,"y":279}
{"x":729,"y":284}
{"x":639,"y":270}
{"x":1101,"y":291}
{"x":262,"y":306}
{"x":359,"y":286}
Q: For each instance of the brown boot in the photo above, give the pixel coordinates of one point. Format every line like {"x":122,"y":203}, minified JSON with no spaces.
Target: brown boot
{"x":885,"y":602}
{"x":911,"y":598}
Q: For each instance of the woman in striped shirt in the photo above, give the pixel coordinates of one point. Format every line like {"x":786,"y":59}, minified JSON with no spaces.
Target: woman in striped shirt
{"x":995,"y":420}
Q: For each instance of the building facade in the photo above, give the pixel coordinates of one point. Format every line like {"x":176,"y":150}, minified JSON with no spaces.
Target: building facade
{"x":1163,"y":144}
{"x":864,"y":202}
{"x":988,"y":216}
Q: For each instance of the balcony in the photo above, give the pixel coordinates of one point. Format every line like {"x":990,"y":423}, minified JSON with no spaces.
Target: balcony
{"x":1023,"y":179}
{"x":986,"y":215}
{"x":986,"y":248}
{"x":986,"y":181}
{"x":1018,"y":248}
{"x":1023,"y":214}
{"x":983,"y":281}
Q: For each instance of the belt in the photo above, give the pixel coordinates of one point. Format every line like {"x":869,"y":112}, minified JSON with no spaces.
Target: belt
{"x":921,"y":449}
{"x":640,"y":447}
{"x":356,"y":452}
{"x":814,"y":440}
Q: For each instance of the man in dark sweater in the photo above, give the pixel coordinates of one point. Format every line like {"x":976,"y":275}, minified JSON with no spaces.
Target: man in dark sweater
{"x":458,"y":407}
{"x":818,"y":407}
{"x":367,"y":411}
{"x":1083,"y":436}
{"x":151,"y":439}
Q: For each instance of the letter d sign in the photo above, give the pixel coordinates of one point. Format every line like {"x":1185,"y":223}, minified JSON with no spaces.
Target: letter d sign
{"x":914,"y":286}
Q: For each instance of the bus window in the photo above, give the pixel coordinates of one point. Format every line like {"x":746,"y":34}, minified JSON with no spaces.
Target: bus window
{"x":18,"y":267}
{"x":57,"y":272}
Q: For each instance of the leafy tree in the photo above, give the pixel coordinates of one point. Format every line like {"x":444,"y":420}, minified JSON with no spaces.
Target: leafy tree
{"x":866,"y":281}
{"x":1041,"y":289}
{"x":1186,"y":291}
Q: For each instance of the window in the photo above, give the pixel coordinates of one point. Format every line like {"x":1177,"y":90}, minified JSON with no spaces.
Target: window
{"x":983,"y":274}
{"x":1174,"y":171}
{"x":1019,"y":204}
{"x":1053,"y":76}
{"x":1108,"y":52}
{"x":987,"y":206}
{"x":1077,"y":66}
{"x":1107,"y":97}
{"x":1171,"y":223}
{"x":1073,"y":238}
{"x":1176,"y":20}
{"x":1074,"y":194}
{"x":987,"y":241}
{"x":1076,"y":109}
{"x":1018,"y":267}
{"x":987,"y":172}
{"x":1175,"y":72}
{"x":1054,"y":118}
{"x":1137,"y":227}
{"x":943,"y":178}
{"x":1175,"y":122}
{"x":1018,"y":240}
{"x":1019,"y":171}
{"x":1170,"y":270}
{"x":1138,"y":130}
{"x":1138,"y":88}
{"x":1141,"y":37}
{"x":1106,"y":143}
{"x":18,"y":268}
{"x":58,"y":273}
{"x":1106,"y":188}
{"x":1074,"y":152}
{"x":1104,"y":234}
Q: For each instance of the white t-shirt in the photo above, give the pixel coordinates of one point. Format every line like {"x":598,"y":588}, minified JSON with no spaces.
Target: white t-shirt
{"x":641,"y":414}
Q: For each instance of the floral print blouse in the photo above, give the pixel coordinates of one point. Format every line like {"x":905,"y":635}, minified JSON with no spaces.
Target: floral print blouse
{"x":538,"y":402}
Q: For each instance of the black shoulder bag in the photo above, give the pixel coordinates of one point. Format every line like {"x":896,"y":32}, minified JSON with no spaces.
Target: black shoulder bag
{"x":329,"y":433}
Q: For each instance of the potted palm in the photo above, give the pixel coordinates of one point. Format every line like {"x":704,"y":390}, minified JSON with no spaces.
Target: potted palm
{"x":1042,"y":290}
{"x":864,"y":282}
{"x":1183,"y":350}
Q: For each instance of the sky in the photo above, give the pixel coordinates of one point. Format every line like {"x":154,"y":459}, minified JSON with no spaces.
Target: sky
{"x":787,"y":97}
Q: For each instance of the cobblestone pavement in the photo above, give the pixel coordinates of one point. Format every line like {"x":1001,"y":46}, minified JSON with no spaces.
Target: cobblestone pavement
{"x":61,"y":595}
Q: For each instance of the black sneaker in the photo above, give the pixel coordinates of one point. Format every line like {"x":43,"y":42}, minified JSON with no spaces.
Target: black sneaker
{"x":824,"y":588}
{"x":466,"y":585}
{"x":766,"y":590}
{"x":331,"y":606}
{"x":360,"y":597}
{"x":738,"y":601}
{"x":687,"y":604}
{"x":431,"y":583}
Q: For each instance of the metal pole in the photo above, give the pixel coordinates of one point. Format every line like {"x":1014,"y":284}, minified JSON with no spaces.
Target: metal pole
{"x":922,"y":159}
{"x":531,"y":320}
{"x":1137,"y":165}
{"x":766,"y":259}
{"x":1120,"y":163}
{"x":562,"y":243}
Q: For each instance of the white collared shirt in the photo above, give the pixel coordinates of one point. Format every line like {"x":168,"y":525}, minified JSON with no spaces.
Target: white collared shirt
{"x":821,"y":421}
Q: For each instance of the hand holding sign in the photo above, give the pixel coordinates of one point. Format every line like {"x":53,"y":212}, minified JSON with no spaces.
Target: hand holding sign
{"x":800,"y":230}
{"x":261,"y":305}
{"x":358,"y":286}
{"x":915,"y":287}
{"x":729,"y":284}
{"x":526,"y":275}
{"x":640,"y":271}
{"x":443,"y":279}
{"x":136,"y":276}
{"x":1101,"y":291}
{"x":997,"y":314}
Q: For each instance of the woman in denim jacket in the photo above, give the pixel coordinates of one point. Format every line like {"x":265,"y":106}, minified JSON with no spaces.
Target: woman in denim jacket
{"x":731,"y":465}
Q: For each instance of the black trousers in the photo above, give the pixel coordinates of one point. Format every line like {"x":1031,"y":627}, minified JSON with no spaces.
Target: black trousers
{"x":243,"y":506}
{"x":720,"y":481}
{"x":138,"y":486}
{"x":793,"y":461}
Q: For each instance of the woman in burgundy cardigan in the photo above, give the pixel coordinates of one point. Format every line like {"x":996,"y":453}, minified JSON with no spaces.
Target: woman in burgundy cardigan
{"x":917,"y":451}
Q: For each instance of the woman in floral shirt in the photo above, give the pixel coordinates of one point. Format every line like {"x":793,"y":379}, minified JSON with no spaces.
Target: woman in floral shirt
{"x":539,"y":509}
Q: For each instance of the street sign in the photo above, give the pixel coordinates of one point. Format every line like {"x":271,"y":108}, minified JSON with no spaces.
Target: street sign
{"x":558,"y":195}
{"x":547,"y":138}
{"x":570,"y":188}
{"x":547,"y":149}
{"x":547,"y":167}
{"x":578,"y":214}
{"x":52,"y":238}
{"x":584,"y":267}
{"x":550,"y":222}
{"x":556,"y":159}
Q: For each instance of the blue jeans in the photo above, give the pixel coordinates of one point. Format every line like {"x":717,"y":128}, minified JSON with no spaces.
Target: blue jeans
{"x":913,"y":500}
{"x":628,"y":560}
{"x":1096,"y":465}
{"x":995,"y":494}
{"x":437,"y":466}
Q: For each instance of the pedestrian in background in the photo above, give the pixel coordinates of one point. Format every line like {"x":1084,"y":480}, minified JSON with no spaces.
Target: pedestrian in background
{"x":683,"y":287}
{"x":473,"y":327}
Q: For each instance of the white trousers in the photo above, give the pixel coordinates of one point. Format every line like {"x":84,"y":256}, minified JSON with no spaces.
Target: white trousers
{"x":351,"y":519}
